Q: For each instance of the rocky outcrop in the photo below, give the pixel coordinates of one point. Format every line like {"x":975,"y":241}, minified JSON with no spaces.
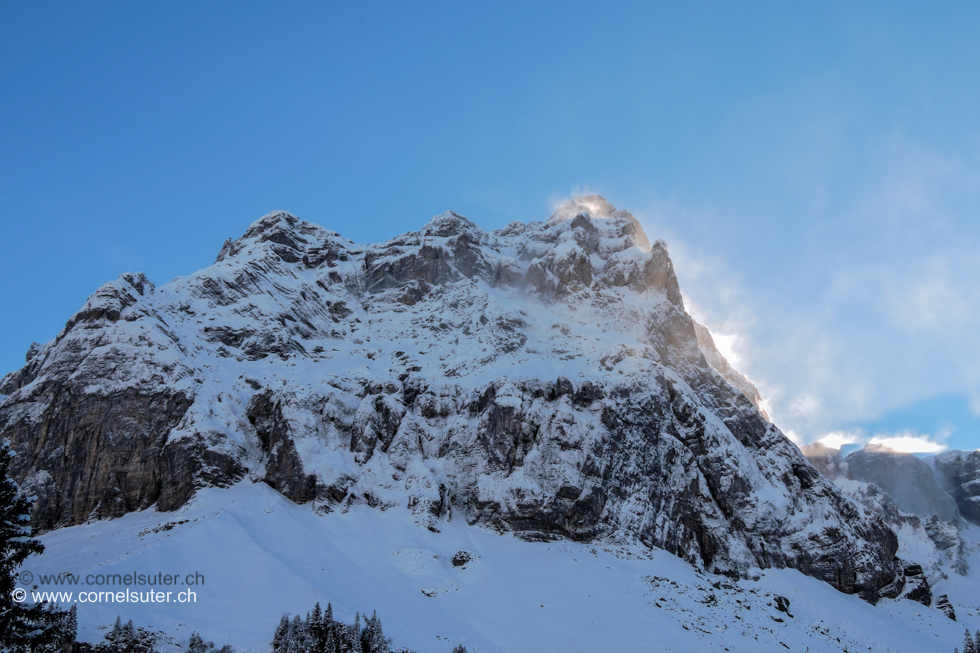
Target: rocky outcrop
{"x":916,"y":587}
{"x":826,"y":460}
{"x":944,"y":606}
{"x":959,"y":474}
{"x":543,"y":379}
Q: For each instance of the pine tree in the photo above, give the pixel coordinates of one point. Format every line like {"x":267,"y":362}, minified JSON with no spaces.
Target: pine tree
{"x":128,"y":638}
{"x":300,"y":639}
{"x":373,"y":638}
{"x":969,"y":646}
{"x":71,"y":625}
{"x":23,"y":627}
{"x":462,"y":649}
{"x":348,"y":638}
{"x":196,"y":644}
{"x":330,"y":641}
{"x":318,"y":631}
{"x":279,"y":638}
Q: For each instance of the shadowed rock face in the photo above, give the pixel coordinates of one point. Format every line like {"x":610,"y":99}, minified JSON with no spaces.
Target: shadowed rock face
{"x":543,"y":379}
{"x":94,"y":456}
{"x":959,"y":474}
{"x":907,"y":480}
{"x":827,"y":461}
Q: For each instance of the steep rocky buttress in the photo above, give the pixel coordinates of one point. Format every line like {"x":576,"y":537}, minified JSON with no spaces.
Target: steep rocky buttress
{"x":542,"y":379}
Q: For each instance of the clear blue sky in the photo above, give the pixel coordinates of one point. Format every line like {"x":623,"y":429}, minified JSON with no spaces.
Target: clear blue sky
{"x":814,"y":168}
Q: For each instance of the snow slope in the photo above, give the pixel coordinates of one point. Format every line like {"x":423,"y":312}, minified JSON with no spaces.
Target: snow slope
{"x":262,"y":555}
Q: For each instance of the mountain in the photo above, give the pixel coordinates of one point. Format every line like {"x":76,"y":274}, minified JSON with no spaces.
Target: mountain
{"x":908,"y":480}
{"x":959,"y":474}
{"x":543,"y":379}
{"x":905,"y":490}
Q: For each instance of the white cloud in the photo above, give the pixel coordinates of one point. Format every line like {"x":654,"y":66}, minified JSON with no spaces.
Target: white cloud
{"x":793,"y":437}
{"x":837,"y":439}
{"x":908,"y":443}
{"x":904,"y":441}
{"x":852,"y":309}
{"x":726,"y":343}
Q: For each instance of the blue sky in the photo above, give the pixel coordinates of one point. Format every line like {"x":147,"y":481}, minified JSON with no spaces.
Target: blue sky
{"x":815,"y":170}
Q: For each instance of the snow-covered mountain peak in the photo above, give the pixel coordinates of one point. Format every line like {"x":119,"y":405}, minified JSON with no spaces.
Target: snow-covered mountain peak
{"x":451,"y":224}
{"x":543,"y":379}
{"x":282,"y":233}
{"x":595,"y":206}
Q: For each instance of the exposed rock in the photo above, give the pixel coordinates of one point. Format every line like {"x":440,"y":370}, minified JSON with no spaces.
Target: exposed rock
{"x":911,"y":583}
{"x":828,"y":461}
{"x":928,"y":541}
{"x":782,"y":604}
{"x":944,"y":606}
{"x":543,"y":379}
{"x":959,"y":474}
{"x":718,"y":362}
{"x":916,"y":585}
{"x":907,"y":480}
{"x":946,"y":537}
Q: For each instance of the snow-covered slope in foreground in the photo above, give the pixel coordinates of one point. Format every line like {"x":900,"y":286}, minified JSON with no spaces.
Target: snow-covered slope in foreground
{"x":261,"y":555}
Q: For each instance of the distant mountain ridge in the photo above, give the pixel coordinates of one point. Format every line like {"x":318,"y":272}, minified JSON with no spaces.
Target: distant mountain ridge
{"x":926,"y":501}
{"x":542,"y":379}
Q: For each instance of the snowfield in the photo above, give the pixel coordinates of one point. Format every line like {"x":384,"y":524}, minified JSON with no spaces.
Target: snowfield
{"x":262,"y":555}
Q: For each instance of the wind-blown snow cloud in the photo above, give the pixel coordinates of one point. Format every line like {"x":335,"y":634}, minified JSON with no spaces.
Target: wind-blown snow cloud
{"x":837,"y":439}
{"x":904,"y":441}
{"x":859,"y":312}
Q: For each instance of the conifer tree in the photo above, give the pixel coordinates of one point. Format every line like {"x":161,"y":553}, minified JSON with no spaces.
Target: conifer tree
{"x":969,"y":646}
{"x":349,"y":639}
{"x":196,"y":644}
{"x":318,"y":631}
{"x":373,"y":639}
{"x":297,"y":632}
{"x":23,"y":626}
{"x":279,"y":638}
{"x":330,"y":641}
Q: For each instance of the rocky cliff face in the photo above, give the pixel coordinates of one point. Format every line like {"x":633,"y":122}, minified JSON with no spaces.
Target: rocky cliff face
{"x":718,"y":362}
{"x":903,"y":490}
{"x":907,"y":480}
{"x":542,"y":379}
{"x":959,"y":474}
{"x":826,"y":460}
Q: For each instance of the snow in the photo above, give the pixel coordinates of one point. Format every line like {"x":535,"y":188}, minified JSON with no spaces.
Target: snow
{"x":324,"y":338}
{"x":262,"y":555}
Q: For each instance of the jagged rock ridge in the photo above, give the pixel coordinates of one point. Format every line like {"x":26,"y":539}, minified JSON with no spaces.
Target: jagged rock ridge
{"x":543,"y":379}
